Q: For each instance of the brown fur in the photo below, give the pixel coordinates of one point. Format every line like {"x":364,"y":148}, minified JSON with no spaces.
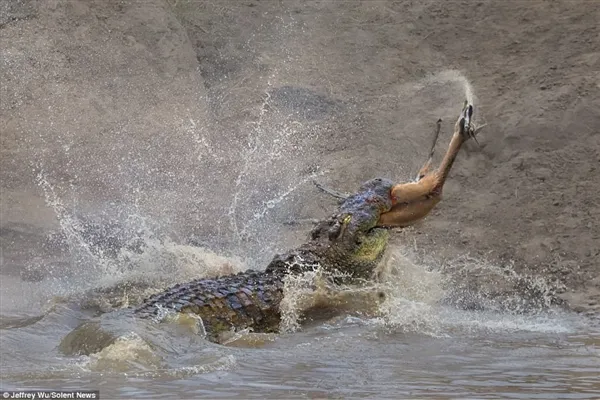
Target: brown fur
{"x":413,"y":201}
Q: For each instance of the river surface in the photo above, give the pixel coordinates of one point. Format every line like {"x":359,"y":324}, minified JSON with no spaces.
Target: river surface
{"x":413,"y":347}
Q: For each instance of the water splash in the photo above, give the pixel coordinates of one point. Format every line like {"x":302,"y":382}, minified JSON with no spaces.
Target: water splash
{"x":413,"y":297}
{"x":143,"y":253}
{"x":432,"y":300}
{"x":71,"y":228}
{"x":129,"y":265}
{"x":478,"y":284}
{"x":270,"y":172}
{"x":271,"y":203}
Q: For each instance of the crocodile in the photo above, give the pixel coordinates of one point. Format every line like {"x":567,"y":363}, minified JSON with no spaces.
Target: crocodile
{"x":348,"y":246}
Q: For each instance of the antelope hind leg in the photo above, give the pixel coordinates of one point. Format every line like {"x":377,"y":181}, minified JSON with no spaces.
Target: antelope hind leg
{"x":331,"y":192}
{"x":427,"y":166}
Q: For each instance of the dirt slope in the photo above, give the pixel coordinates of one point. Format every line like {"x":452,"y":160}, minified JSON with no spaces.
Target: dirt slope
{"x":212,"y":118}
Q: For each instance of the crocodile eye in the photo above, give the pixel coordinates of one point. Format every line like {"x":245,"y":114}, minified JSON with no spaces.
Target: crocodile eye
{"x":335,"y":231}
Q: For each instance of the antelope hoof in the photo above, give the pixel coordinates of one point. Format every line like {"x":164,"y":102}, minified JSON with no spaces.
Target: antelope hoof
{"x":466,"y":127}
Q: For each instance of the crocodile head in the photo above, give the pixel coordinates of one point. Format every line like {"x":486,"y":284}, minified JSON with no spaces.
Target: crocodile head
{"x":356,"y":244}
{"x":359,"y":213}
{"x":348,"y":242}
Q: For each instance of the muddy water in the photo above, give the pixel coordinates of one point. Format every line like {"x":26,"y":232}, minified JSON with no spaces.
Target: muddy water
{"x":410,"y":345}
